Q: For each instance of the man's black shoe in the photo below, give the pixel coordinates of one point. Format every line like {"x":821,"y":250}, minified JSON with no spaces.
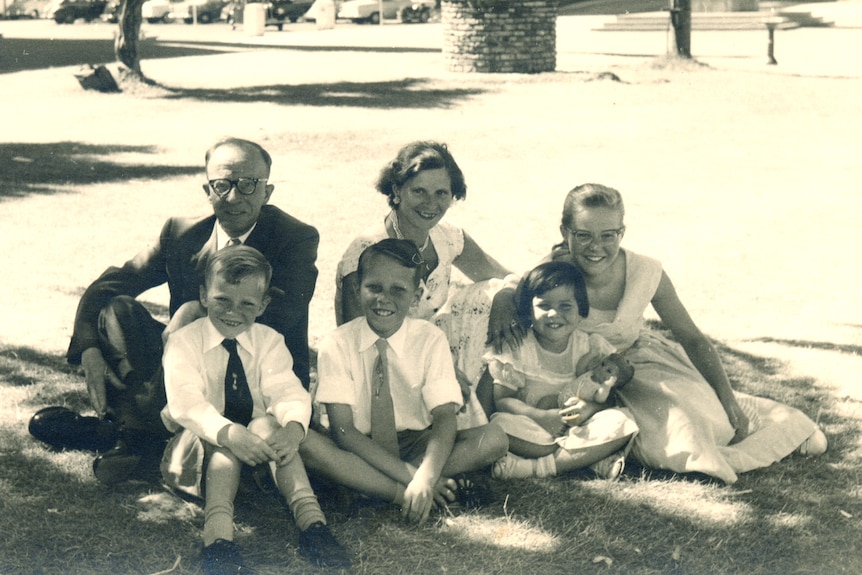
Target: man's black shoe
{"x":117,"y":465}
{"x":62,"y":428}
{"x":319,"y":546}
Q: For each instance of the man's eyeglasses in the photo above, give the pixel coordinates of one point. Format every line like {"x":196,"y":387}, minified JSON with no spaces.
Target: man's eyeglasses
{"x":245,"y":186}
{"x":606,"y":237}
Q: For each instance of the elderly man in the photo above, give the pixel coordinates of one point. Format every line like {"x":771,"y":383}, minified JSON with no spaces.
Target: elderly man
{"x":119,"y":344}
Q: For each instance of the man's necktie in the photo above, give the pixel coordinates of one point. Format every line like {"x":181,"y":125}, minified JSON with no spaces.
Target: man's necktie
{"x":233,"y":242}
{"x":237,"y":396}
{"x":383,"y":429}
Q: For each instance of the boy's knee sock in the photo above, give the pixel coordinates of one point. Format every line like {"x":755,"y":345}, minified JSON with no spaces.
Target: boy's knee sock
{"x":305,"y":509}
{"x":218,"y":522}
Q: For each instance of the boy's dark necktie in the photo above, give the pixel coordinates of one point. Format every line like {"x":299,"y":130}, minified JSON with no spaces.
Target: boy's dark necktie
{"x":237,"y":396}
{"x":383,"y":429}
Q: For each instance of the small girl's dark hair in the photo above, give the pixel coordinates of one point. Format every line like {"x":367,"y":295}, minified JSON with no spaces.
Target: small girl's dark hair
{"x":414,"y":158}
{"x":545,"y":277}
{"x":403,"y":252}
{"x":234,"y":263}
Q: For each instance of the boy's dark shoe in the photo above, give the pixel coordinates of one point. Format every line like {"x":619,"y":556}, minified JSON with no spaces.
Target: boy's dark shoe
{"x":62,"y":428}
{"x":319,"y":546}
{"x":117,"y":465}
{"x":223,"y":558}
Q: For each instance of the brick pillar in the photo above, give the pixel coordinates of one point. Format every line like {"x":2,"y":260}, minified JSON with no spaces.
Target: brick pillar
{"x":500,"y":36}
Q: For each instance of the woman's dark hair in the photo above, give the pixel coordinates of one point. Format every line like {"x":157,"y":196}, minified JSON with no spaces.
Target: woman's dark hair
{"x":545,"y":277}
{"x":591,"y":196}
{"x":402,"y":252}
{"x":414,"y":158}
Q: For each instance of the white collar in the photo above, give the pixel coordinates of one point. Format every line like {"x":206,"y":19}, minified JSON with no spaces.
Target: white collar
{"x":222,"y":237}
{"x":397,"y":341}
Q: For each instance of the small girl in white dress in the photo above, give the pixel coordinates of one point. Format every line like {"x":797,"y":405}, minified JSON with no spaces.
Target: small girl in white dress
{"x":548,"y":441}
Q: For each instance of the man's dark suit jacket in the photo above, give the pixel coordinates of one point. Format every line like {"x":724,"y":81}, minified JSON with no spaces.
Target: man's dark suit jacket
{"x":179,"y":259}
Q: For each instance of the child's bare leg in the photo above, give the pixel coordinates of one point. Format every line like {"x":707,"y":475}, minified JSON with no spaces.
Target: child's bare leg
{"x":222,"y":482}
{"x":476,"y":448}
{"x":530,"y":450}
{"x":322,"y":455}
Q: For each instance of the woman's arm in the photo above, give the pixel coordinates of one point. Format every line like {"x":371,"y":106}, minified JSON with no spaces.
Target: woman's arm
{"x":476,"y":264}
{"x":699,"y":350}
{"x":348,"y":438}
{"x":350,"y":308}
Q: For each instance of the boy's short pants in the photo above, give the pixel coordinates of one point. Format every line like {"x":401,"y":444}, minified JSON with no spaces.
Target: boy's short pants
{"x":183,"y":463}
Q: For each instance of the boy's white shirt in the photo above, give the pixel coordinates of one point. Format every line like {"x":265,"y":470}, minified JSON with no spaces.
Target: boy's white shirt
{"x":195,"y":364}
{"x":422,"y":374}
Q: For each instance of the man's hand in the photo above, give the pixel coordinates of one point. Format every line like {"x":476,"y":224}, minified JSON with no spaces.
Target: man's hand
{"x":245,"y":445}
{"x":98,"y":375}
{"x":186,"y":314}
{"x":285,"y":442}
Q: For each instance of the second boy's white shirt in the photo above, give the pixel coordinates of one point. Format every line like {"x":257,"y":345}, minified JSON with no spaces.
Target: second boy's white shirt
{"x":195,"y":364}
{"x":422,"y":375}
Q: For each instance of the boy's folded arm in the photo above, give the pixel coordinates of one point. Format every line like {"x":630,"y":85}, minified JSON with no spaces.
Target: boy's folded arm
{"x":347,"y":437}
{"x":440,"y":443}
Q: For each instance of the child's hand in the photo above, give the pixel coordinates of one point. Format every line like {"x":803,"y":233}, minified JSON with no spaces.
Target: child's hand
{"x":285,"y":442}
{"x":419,"y":497}
{"x":551,"y":420}
{"x":245,"y":445}
{"x":578,"y":411}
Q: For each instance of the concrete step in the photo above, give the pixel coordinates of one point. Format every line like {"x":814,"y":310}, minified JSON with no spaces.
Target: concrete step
{"x":657,"y":21}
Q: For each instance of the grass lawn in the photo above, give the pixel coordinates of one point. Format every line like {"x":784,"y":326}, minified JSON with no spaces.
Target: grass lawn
{"x":745,"y":185}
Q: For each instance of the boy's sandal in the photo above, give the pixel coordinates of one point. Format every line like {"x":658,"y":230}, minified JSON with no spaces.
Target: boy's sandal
{"x":473,"y":491}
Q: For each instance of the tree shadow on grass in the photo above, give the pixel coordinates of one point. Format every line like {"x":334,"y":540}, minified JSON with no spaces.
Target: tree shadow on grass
{"x":45,"y":168}
{"x":410,"y":93}
{"x":37,"y":53}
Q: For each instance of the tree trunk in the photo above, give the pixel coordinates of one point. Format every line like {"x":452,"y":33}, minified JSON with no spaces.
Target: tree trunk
{"x":126,"y":44}
{"x":681,"y":19}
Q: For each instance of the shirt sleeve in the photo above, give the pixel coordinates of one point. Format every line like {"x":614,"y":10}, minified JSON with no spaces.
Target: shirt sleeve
{"x":336,"y":382}
{"x":283,"y":394}
{"x":185,"y":387}
{"x":441,"y":385}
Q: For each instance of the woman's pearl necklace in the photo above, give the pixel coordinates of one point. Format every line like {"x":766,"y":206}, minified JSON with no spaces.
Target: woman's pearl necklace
{"x":400,"y":236}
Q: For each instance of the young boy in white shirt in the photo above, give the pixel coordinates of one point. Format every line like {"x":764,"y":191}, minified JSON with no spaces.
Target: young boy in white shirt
{"x":422,"y":450}
{"x":227,"y":412}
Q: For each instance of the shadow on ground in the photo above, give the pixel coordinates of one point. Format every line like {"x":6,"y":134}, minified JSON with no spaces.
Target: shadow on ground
{"x":407,"y":93}
{"x":21,"y":54}
{"x":43,"y":168}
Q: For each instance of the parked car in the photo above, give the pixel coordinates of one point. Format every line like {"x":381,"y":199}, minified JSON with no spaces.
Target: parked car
{"x":67,"y":11}
{"x":277,"y":11}
{"x":155,"y":11}
{"x":369,"y":10}
{"x":27,"y":9}
{"x":112,"y":11}
{"x":207,"y":11}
